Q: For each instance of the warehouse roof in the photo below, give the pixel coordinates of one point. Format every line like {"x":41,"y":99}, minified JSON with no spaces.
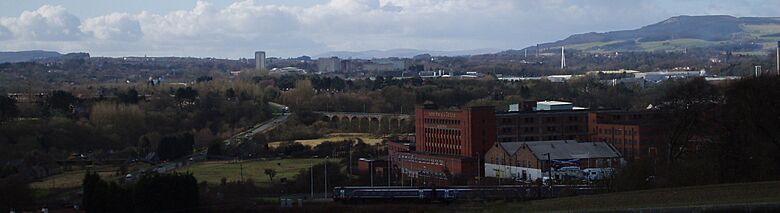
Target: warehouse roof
{"x":564,"y":149}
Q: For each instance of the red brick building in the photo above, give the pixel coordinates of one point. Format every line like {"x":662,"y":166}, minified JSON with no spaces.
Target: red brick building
{"x":548,"y":121}
{"x":633,"y":133}
{"x":448,"y":144}
{"x":467,"y":133}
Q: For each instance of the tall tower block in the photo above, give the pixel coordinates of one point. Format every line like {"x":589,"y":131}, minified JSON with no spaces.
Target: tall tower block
{"x":260,"y":60}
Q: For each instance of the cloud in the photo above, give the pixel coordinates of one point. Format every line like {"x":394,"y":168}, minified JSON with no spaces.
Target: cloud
{"x":5,"y":33}
{"x":240,"y":28}
{"x":47,"y":23}
{"x":115,"y":26}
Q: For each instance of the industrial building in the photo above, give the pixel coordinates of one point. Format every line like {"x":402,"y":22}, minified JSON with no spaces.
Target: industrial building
{"x":635,"y":134}
{"x":547,"y":120}
{"x":448,"y":145}
{"x":533,"y":160}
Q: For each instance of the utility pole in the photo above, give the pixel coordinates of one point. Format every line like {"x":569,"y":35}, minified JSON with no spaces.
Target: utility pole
{"x":479,"y":169}
{"x":389,"y":167}
{"x":241,"y":165}
{"x":401,"y":171}
{"x":549,"y":167}
{"x":350,"y":159}
{"x":326,"y":176}
{"x":311,"y":171}
{"x":371,"y":171}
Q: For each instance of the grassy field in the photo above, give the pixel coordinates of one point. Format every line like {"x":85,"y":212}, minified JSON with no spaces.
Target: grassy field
{"x":73,"y":179}
{"x":591,"y":45}
{"x":367,"y":138}
{"x":676,"y":44}
{"x":214,"y":171}
{"x":744,"y":193}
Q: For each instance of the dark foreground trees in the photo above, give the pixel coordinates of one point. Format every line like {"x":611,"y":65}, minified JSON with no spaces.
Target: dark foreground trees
{"x":152,"y":193}
{"x":713,"y":134}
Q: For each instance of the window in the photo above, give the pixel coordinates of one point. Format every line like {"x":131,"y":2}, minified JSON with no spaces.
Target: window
{"x":506,"y":120}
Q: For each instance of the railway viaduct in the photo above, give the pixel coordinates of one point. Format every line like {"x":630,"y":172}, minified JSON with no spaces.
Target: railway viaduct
{"x":368,"y":121}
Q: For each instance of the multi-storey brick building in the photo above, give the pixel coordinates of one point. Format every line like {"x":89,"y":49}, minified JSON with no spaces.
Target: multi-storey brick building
{"x":448,"y":144}
{"x":548,"y":121}
{"x":633,"y":133}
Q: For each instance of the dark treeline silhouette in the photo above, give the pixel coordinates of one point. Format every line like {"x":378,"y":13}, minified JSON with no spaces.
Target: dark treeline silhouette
{"x":152,"y":193}
{"x":714,"y":134}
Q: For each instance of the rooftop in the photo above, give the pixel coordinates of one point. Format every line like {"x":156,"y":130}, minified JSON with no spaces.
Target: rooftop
{"x":564,"y":149}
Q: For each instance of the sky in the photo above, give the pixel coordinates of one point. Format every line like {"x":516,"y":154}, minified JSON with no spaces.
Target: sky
{"x":289,"y":28}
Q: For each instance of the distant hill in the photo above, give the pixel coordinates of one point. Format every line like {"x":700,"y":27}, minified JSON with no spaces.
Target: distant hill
{"x":23,"y":56}
{"x":401,"y":53}
{"x":720,"y":32}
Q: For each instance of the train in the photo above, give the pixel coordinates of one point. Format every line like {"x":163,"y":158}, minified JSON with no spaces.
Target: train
{"x":349,"y":194}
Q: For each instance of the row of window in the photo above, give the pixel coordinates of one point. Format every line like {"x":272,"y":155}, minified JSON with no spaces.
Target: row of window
{"x":540,"y":138}
{"x":507,"y":130}
{"x":442,"y":121}
{"x":545,"y":119}
{"x":515,"y":162}
{"x":414,"y":159}
{"x":614,"y":131}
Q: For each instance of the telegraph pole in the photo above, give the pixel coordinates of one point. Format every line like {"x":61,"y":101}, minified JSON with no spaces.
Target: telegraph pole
{"x":371,"y":171}
{"x":311,"y":171}
{"x":549,"y":167}
{"x":326,"y":176}
{"x":389,"y":167}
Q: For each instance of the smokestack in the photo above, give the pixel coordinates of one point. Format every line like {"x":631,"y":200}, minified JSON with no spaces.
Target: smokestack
{"x":563,"y":58}
{"x":778,"y":58}
{"x":758,"y":71}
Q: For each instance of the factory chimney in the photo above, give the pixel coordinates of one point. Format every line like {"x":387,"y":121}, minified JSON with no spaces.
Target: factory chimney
{"x":563,"y":58}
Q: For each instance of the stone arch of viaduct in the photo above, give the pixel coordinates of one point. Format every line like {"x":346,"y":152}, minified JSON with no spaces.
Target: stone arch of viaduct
{"x":368,"y":121}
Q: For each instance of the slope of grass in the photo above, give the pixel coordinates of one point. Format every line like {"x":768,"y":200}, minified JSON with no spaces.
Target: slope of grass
{"x":591,"y":45}
{"x":742,"y":193}
{"x":676,"y":44}
{"x":213,"y":171}
{"x":761,"y":29}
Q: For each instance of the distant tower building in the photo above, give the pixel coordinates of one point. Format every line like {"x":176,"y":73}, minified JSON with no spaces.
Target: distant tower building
{"x":332,"y":64}
{"x":778,"y":58}
{"x":260,"y":60}
{"x":758,"y":71}
{"x":563,"y":58}
{"x":537,"y":50}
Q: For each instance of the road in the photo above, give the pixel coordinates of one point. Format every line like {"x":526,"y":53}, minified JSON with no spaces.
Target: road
{"x":257,"y":129}
{"x":261,"y":127}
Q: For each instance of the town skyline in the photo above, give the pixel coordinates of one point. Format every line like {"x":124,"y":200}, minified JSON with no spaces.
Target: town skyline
{"x":234,"y":29}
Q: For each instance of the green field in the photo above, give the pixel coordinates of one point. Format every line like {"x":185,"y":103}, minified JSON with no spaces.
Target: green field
{"x":73,"y":179}
{"x":675,"y":44}
{"x":744,"y":193}
{"x":213,"y":171}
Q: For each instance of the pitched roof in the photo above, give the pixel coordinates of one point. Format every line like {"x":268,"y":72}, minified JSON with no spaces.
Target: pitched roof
{"x":564,"y":149}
